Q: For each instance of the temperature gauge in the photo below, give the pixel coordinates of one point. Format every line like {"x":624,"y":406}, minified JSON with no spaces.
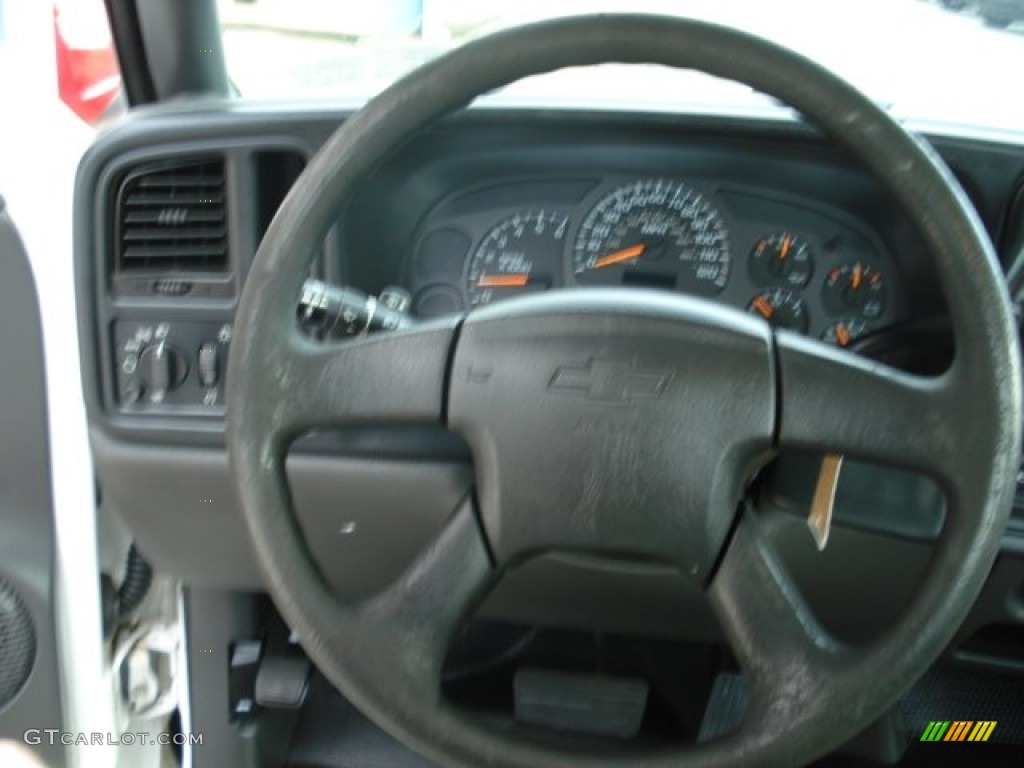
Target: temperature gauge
{"x":781,"y":308}
{"x":855,"y":288}
{"x":782,"y":258}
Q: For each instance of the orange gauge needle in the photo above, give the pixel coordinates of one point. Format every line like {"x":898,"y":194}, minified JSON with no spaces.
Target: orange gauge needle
{"x":503,"y":281}
{"x":858,"y":275}
{"x":762,"y":305}
{"x":784,"y":250}
{"x":842,"y":335}
{"x":617,"y":257}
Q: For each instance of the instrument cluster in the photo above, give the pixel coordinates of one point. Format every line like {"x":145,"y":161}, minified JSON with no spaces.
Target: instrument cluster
{"x":797,"y":264}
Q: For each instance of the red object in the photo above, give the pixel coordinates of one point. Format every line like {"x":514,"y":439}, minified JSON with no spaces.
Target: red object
{"x":88,"y":76}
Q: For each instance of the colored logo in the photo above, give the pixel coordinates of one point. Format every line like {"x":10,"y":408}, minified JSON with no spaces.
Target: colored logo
{"x":958,"y":730}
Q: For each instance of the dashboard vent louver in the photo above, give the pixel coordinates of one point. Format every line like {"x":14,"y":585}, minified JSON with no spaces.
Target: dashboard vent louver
{"x":171,"y":217}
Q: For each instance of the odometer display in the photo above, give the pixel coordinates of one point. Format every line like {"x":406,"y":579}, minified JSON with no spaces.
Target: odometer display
{"x":655,"y":233}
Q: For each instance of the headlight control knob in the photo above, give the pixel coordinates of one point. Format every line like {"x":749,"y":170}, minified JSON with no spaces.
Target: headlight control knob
{"x":163,"y":368}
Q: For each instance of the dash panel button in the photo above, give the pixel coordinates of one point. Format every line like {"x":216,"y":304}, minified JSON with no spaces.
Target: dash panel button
{"x":208,"y":364}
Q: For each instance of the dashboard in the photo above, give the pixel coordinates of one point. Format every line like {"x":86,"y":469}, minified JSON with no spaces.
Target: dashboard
{"x":764,"y":216}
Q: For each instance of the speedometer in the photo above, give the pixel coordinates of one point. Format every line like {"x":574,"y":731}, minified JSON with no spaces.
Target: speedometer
{"x":655,"y":233}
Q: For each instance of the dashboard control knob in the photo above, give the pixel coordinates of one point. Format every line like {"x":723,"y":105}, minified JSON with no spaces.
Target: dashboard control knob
{"x":163,"y":369}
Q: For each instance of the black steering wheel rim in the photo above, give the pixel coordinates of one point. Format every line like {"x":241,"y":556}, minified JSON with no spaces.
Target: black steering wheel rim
{"x":812,"y":693}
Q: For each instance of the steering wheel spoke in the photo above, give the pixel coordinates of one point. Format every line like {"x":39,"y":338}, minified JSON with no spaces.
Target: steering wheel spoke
{"x":394,"y":378}
{"x":779,"y":643}
{"x":411,"y":623}
{"x":833,"y":402}
{"x":431,"y":599}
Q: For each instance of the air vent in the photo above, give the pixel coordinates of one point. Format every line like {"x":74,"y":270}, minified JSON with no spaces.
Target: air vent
{"x":171,"y":217}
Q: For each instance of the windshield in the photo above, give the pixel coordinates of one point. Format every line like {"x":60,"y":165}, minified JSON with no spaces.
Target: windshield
{"x":946,"y":62}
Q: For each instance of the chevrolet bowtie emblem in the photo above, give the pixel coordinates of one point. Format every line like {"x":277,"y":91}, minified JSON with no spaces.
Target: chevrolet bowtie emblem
{"x":610,"y":381}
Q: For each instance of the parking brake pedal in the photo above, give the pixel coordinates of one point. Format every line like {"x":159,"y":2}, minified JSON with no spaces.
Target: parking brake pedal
{"x":604,"y":706}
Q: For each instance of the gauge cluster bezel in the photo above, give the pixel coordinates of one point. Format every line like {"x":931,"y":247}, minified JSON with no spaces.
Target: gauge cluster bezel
{"x":749,"y":214}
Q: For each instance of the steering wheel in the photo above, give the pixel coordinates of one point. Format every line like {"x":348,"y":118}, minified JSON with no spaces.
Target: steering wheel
{"x":654,"y":468}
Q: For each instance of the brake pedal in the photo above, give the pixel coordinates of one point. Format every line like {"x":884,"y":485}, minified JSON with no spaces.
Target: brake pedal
{"x":603,"y":706}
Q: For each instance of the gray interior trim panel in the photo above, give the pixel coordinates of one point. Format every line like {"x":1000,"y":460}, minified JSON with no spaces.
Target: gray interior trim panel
{"x":26,"y":505}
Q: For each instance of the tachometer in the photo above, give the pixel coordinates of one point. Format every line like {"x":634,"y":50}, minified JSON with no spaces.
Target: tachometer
{"x":655,"y":233}
{"x":520,"y":255}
